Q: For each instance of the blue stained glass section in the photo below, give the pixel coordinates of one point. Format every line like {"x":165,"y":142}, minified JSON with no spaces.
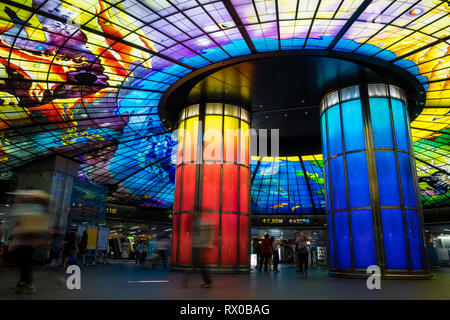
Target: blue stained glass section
{"x":323,"y":129}
{"x":363,"y":242}
{"x":415,"y":246}
{"x":394,"y":239}
{"x":330,"y":240}
{"x":338,"y":183}
{"x":342,"y":240}
{"x":334,"y":130}
{"x":387,"y":178}
{"x":401,"y":129}
{"x":328,"y":191}
{"x":358,"y":180}
{"x":381,"y":123}
{"x":353,"y":125}
{"x":407,"y":179}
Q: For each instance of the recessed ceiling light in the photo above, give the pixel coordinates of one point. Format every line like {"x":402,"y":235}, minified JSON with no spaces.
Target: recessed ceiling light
{"x":285,"y":115}
{"x":203,"y":41}
{"x":267,"y":117}
{"x":306,"y":112}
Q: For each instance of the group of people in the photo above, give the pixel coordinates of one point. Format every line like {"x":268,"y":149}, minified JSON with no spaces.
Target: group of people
{"x":141,"y":249}
{"x":73,"y":247}
{"x":140,"y":252}
{"x":29,"y":234}
{"x":268,"y":253}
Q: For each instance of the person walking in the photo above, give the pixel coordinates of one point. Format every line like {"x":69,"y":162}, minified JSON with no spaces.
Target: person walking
{"x":55,"y":244}
{"x":161,"y":247}
{"x":144,"y":250}
{"x":275,"y":253}
{"x":302,"y":253}
{"x":137,"y":252}
{"x":125,"y":251}
{"x":84,"y":247}
{"x":70,"y":249}
{"x":314,"y":256}
{"x":257,"y":251}
{"x":206,"y":235}
{"x":266,"y":250}
{"x":30,"y":228}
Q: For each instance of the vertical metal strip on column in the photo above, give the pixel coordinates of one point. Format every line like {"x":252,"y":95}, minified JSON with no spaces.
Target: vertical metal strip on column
{"x":373,"y":179}
{"x":198,"y":183}
{"x":180,"y":197}
{"x":238,"y":260}
{"x":347,"y":198}
{"x":419,"y":211}
{"x":325,"y":114}
{"x":249,"y":192}
{"x":399,"y":179}
{"x":219,"y":261}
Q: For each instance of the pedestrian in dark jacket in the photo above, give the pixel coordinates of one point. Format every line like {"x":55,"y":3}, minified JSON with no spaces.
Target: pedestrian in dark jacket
{"x":266,"y":251}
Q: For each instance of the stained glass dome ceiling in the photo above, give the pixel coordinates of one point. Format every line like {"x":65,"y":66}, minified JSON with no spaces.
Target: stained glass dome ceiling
{"x":84,"y":79}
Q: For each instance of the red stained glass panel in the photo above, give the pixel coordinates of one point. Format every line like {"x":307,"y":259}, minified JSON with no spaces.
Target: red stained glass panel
{"x":230,"y":178}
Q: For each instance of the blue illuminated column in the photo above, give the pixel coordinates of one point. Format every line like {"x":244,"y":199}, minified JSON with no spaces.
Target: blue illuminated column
{"x":373,"y":204}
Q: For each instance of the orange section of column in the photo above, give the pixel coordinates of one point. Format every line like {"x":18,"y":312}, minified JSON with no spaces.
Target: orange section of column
{"x":212,"y":187}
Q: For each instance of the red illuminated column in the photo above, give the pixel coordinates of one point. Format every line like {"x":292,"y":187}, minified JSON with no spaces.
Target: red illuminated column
{"x":212,"y":184}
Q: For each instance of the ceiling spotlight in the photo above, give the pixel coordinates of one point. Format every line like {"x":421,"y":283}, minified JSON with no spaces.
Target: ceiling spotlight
{"x":261,"y":106}
{"x":303,"y":100}
{"x":267,"y":117}
{"x":285,"y":115}
{"x":226,"y":25}
{"x":306,"y":112}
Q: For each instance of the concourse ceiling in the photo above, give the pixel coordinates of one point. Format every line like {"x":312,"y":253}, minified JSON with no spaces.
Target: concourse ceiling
{"x":84,"y":79}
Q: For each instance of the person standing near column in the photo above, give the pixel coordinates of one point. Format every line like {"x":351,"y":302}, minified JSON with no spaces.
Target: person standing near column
{"x":275,"y":253}
{"x":266,"y":250}
{"x":302,"y":253}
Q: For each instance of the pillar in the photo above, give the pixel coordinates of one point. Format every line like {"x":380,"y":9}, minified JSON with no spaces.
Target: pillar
{"x":54,"y":175}
{"x":373,"y":203}
{"x":212,"y":184}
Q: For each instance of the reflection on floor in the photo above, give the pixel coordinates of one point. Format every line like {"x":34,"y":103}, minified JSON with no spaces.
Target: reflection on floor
{"x":131,"y":282}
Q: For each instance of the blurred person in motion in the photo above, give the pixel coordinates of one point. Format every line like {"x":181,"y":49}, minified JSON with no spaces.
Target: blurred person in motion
{"x":266,"y":251}
{"x":256,"y":250}
{"x":70,"y":249}
{"x":206,"y":234}
{"x":84,"y":247}
{"x":144,"y":250}
{"x":314,"y":256}
{"x":275,"y":253}
{"x":137,"y":252}
{"x":302,"y":253}
{"x":125,"y":251}
{"x":162,"y":247}
{"x":30,"y":229}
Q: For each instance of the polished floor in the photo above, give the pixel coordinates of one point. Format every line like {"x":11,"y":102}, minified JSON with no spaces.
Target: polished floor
{"x":118,"y":282}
